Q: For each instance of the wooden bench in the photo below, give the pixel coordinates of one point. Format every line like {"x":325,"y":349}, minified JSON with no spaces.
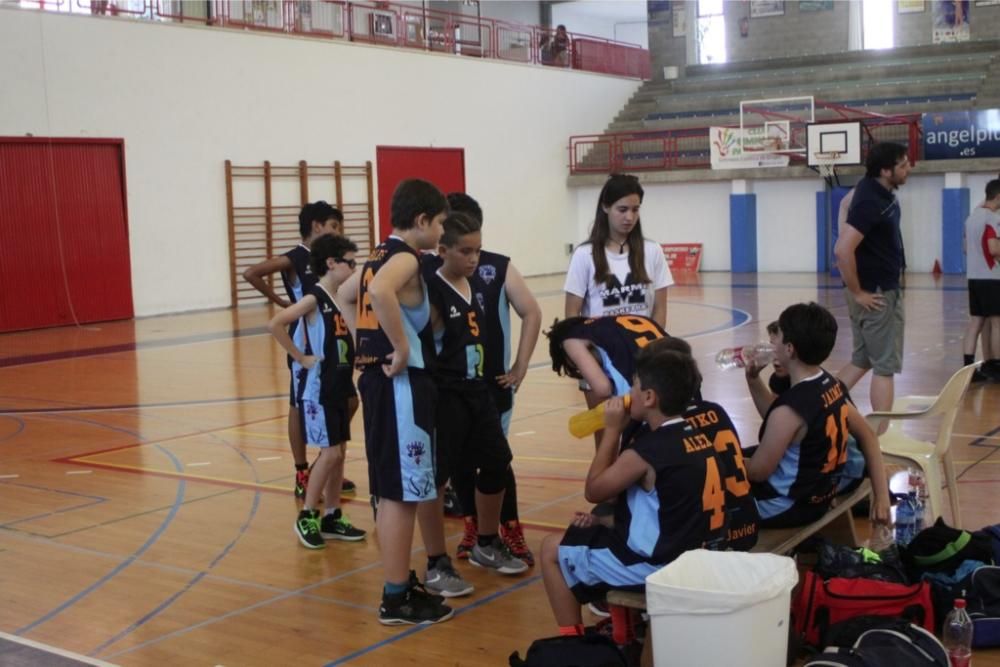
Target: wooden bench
{"x":837,"y":525}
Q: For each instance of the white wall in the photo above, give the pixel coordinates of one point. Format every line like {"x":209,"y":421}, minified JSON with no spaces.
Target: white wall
{"x":512,"y":11}
{"x":786,"y":224}
{"x":598,"y":18}
{"x":920,"y":201}
{"x":185,"y":99}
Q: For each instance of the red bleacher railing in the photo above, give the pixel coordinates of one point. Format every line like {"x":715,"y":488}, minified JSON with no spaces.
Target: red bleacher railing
{"x":687,"y":148}
{"x":385,"y":24}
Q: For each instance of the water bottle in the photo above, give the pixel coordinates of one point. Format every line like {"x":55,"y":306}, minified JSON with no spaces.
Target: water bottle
{"x":919,"y":489}
{"x":591,"y":421}
{"x":957,"y":635}
{"x":760,"y":354}
{"x":906,"y":518}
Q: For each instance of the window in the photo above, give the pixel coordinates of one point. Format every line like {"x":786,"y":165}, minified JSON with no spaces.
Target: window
{"x":877,"y":23}
{"x":711,"y":31}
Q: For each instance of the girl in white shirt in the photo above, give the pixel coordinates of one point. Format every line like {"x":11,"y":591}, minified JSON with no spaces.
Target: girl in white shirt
{"x":617,"y":271}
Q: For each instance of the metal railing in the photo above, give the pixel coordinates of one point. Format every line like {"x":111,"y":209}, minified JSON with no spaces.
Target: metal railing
{"x":386,"y":24}
{"x":688,"y":148}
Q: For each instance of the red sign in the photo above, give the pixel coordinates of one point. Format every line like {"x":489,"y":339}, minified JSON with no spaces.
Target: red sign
{"x":682,"y":256}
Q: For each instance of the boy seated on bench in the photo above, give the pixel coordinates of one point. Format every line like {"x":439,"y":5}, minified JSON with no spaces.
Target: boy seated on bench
{"x":795,"y":471}
{"x":669,"y":487}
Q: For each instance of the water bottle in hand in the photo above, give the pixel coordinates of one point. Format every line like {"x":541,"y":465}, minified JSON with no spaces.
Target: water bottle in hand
{"x":760,"y":354}
{"x":956,"y":635}
{"x":906,"y":519}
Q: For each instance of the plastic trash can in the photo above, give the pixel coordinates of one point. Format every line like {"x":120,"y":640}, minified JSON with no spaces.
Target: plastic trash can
{"x":710,"y":608}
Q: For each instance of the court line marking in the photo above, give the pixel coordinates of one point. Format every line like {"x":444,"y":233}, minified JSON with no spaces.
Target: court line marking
{"x":20,"y":427}
{"x":79,"y":472}
{"x":119,"y":568}
{"x":420,"y":628}
{"x":95,"y":662}
{"x":9,"y":476}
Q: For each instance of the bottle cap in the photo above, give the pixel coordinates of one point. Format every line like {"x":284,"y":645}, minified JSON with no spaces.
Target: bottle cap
{"x":959,"y":603}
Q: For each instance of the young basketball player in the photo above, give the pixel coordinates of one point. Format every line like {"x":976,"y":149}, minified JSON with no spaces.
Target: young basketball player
{"x":665,"y":480}
{"x":325,"y":367}
{"x":796,"y":470}
{"x":470,"y":437}
{"x":315,"y":220}
{"x":395,"y":345}
{"x":499,"y":286}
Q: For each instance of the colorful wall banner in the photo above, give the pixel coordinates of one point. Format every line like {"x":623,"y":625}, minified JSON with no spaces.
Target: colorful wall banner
{"x":727,"y":149}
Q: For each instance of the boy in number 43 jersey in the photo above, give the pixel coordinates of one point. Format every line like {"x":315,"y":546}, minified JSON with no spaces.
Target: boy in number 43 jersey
{"x":666,"y":482}
{"x":803,"y":442}
{"x":326,"y":364}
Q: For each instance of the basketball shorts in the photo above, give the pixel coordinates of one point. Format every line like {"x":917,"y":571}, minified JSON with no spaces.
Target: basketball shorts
{"x":399,"y":418}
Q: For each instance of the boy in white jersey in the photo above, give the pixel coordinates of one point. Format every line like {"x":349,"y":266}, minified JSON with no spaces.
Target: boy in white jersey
{"x":982,"y":257}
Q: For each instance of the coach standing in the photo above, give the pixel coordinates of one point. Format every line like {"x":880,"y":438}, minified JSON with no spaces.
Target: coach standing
{"x":869,"y":254}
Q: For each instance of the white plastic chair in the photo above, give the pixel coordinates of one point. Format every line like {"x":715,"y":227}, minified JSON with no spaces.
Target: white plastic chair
{"x":929,"y":456}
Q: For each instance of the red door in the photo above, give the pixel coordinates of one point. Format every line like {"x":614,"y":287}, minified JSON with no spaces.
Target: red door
{"x":444,"y":167}
{"x":64,"y":252}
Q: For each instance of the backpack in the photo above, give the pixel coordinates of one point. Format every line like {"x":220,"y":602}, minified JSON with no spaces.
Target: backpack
{"x":589,"y":650}
{"x":910,"y":646}
{"x":820,"y":604}
{"x":981,"y":591}
{"x":841,"y":561}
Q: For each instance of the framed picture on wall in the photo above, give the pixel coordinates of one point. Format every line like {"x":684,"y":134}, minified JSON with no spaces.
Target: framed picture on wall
{"x":815,"y":5}
{"x":910,"y":6}
{"x":761,"y":8}
{"x":680,"y":20}
{"x":382,"y":25}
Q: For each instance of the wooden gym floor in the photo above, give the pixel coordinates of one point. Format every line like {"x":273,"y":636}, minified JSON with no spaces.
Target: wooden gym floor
{"x":145,"y":483}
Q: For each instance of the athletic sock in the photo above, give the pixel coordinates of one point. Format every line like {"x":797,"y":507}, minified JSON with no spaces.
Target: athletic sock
{"x":395,"y":589}
{"x":486,"y":540}
{"x":571,"y":630}
{"x":968,"y":359}
{"x":333,"y":511}
{"x":432,"y":561}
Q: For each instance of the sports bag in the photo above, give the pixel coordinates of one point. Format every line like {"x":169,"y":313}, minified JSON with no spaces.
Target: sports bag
{"x":910,"y":646}
{"x":820,"y":604}
{"x":589,"y":650}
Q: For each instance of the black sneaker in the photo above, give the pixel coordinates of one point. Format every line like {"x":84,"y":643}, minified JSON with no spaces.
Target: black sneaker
{"x":307,"y":529}
{"x":412,"y":607}
{"x":415,"y":583}
{"x":339,"y":528}
{"x":451,"y":505}
{"x":347,"y":486}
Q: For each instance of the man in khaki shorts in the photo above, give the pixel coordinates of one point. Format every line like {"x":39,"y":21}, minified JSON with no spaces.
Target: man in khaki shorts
{"x":869,"y":254}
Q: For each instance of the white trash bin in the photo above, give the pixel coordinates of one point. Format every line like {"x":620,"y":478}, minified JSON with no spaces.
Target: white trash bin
{"x":715,"y":608}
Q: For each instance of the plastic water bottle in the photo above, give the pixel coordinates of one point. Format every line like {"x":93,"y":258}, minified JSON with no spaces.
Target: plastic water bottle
{"x":740,"y":357}
{"x":918,"y":487}
{"x":957,"y":635}
{"x":906,"y":518}
{"x":591,"y":421}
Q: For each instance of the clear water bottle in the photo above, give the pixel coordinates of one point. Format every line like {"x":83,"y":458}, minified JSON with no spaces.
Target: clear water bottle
{"x":957,"y":635}
{"x":906,"y":518}
{"x":760,"y":354}
{"x":918,"y":488}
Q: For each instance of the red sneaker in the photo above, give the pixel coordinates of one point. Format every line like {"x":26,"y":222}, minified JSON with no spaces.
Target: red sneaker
{"x":513,"y":536}
{"x":468,"y":539}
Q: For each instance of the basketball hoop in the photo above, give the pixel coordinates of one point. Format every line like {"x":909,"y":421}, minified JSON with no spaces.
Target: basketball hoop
{"x":826,"y":164}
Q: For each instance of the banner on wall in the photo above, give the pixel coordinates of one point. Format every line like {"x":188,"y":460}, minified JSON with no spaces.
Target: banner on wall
{"x":727,"y":149}
{"x":955,"y":135}
{"x":951,"y":21}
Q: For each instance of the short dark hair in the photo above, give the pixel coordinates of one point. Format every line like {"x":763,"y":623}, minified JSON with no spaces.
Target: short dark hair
{"x":773,"y":328}
{"x":320,"y":212}
{"x":993,"y":188}
{"x":415,"y":197}
{"x":463,"y":203}
{"x":326,"y":247}
{"x":557,"y":335}
{"x":811,"y":330}
{"x":885,"y":155}
{"x":671,"y":374}
{"x":457,"y":225}
{"x":674,"y":344}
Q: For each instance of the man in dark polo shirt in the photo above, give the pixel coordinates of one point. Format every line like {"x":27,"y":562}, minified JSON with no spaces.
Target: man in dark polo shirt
{"x":869,"y":253}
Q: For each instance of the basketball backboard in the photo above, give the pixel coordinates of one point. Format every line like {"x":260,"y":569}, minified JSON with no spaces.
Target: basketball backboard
{"x":836,"y":143}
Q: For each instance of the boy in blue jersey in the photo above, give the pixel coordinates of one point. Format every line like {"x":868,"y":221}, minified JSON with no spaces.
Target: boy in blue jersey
{"x":325,"y":367}
{"x":472,"y":449}
{"x":499,"y":286}
{"x":796,"y":470}
{"x":668,"y":484}
{"x":315,"y":220}
{"x":395,"y":347}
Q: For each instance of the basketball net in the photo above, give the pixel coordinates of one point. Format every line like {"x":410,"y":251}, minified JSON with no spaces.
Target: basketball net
{"x":826,"y":165}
